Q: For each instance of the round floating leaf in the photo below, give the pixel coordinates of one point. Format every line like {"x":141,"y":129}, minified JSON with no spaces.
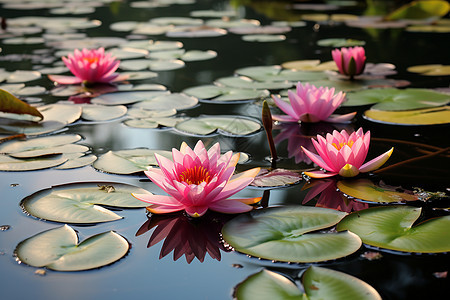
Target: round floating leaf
{"x":431,"y":70}
{"x":12,"y":105}
{"x":247,"y":83}
{"x":420,"y":10}
{"x":195,"y":31}
{"x":63,"y":149}
{"x":8,"y":163}
{"x":276,"y":178}
{"x":427,"y":116}
{"x":93,"y":112}
{"x":61,"y":113}
{"x":58,"y":249}
{"x":176,"y":101}
{"x":396,"y":99}
{"x":128,"y":161}
{"x":139,"y":75}
{"x":227,"y":125}
{"x":197,"y":55}
{"x":310,"y":65}
{"x":166,"y":65}
{"x":215,"y":93}
{"x":283,"y":234}
{"x":153,"y":122}
{"x":169,"y":54}
{"x":143,"y":113}
{"x":276,"y":73}
{"x":318,"y":283}
{"x":38,"y":143}
{"x":78,"y":203}
{"x":263,"y":38}
{"x":366,"y":190}
{"x":128,"y":53}
{"x":126,"y":97}
{"x":77,"y":162}
{"x":339,"y":42}
{"x":391,"y":227}
{"x":31,"y":91}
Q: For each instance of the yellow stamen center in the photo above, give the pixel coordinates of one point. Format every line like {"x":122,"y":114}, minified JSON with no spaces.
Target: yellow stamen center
{"x":195,"y":175}
{"x":340,"y":145}
{"x":91,"y":60}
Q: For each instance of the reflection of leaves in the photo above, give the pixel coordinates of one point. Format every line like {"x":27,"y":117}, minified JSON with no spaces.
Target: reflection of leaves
{"x":276,"y":178}
{"x":185,"y":236}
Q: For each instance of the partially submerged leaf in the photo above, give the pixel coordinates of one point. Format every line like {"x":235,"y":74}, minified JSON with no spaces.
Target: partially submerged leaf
{"x":276,"y":178}
{"x":227,"y":125}
{"x":364,"y":189}
{"x":58,"y":249}
{"x":78,"y":203}
{"x":427,"y":116}
{"x":11,"y":104}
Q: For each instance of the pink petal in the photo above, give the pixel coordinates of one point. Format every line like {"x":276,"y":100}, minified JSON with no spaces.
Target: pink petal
{"x":317,"y":159}
{"x":320,"y":174}
{"x":61,"y":79}
{"x":341,"y":118}
{"x":196,"y":211}
{"x":284,"y":118}
{"x":159,"y":200}
{"x":376,"y":162}
{"x":159,"y":209}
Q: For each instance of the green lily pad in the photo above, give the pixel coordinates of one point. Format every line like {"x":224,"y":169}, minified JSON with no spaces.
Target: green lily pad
{"x":154,"y":122}
{"x":58,"y":249}
{"x":176,"y":101}
{"x":11,"y":105}
{"x":263,"y":38}
{"x":284,"y":234}
{"x":427,"y":116}
{"x":216,"y":94}
{"x":226,"y":125}
{"x":79,"y":203}
{"x":247,"y":83}
{"x":197,"y":55}
{"x":8,"y":163}
{"x":340,"y":42}
{"x":396,"y":99}
{"x":167,"y":55}
{"x":392,"y":227}
{"x":277,"y":73}
{"x":77,"y":162}
{"x":366,"y":190}
{"x":310,"y":65}
{"x":15,"y":147}
{"x":318,"y":283}
{"x":166,"y":65}
{"x":126,"y":97}
{"x":95,"y":112}
{"x":141,"y":113}
{"x":431,"y":70}
{"x":128,"y":161}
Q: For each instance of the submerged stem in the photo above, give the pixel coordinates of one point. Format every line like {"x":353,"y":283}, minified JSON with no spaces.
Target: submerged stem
{"x":267,"y":123}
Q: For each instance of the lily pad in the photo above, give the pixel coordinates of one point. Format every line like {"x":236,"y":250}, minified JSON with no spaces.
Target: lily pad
{"x":128,"y":161}
{"x":284,"y":234}
{"x":427,"y":116}
{"x":420,"y":10}
{"x":197,"y":55}
{"x":366,"y":190}
{"x":166,"y":101}
{"x":141,"y":113}
{"x":431,"y":70}
{"x":58,"y":249}
{"x":226,"y":125}
{"x":277,"y":73}
{"x":94,"y":112}
{"x":392,"y":227}
{"x":276,"y":178}
{"x":77,"y":162}
{"x":318,"y":283}
{"x":79,"y":203}
{"x":126,"y":97}
{"x":246,"y":83}
{"x":217,"y":94}
{"x":8,"y":163}
{"x":339,"y":42}
{"x":153,"y":122}
{"x":23,"y":76}
{"x":395,"y":99}
{"x":310,"y":65}
{"x":263,"y":38}
{"x":17,"y":147}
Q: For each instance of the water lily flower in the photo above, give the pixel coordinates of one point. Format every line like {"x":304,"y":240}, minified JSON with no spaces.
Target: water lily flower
{"x":344,"y":154}
{"x":311,"y":104}
{"x":197,"y":180}
{"x":89,"y":66}
{"x":350,"y":61}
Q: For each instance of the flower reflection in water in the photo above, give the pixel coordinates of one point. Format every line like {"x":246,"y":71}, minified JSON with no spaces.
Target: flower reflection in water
{"x":192,"y":237}
{"x":330,"y":196}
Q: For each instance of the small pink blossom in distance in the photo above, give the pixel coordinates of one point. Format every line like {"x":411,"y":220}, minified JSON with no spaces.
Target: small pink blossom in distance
{"x":311,"y":104}
{"x":350,"y":61}
{"x":89,"y":67}
{"x":197,"y":180}
{"x":344,"y":154}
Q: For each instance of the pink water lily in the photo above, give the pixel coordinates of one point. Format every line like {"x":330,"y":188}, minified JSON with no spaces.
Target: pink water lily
{"x":89,"y":66}
{"x":311,"y":104}
{"x":344,"y":154}
{"x":197,"y":180}
{"x":350,"y":61}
